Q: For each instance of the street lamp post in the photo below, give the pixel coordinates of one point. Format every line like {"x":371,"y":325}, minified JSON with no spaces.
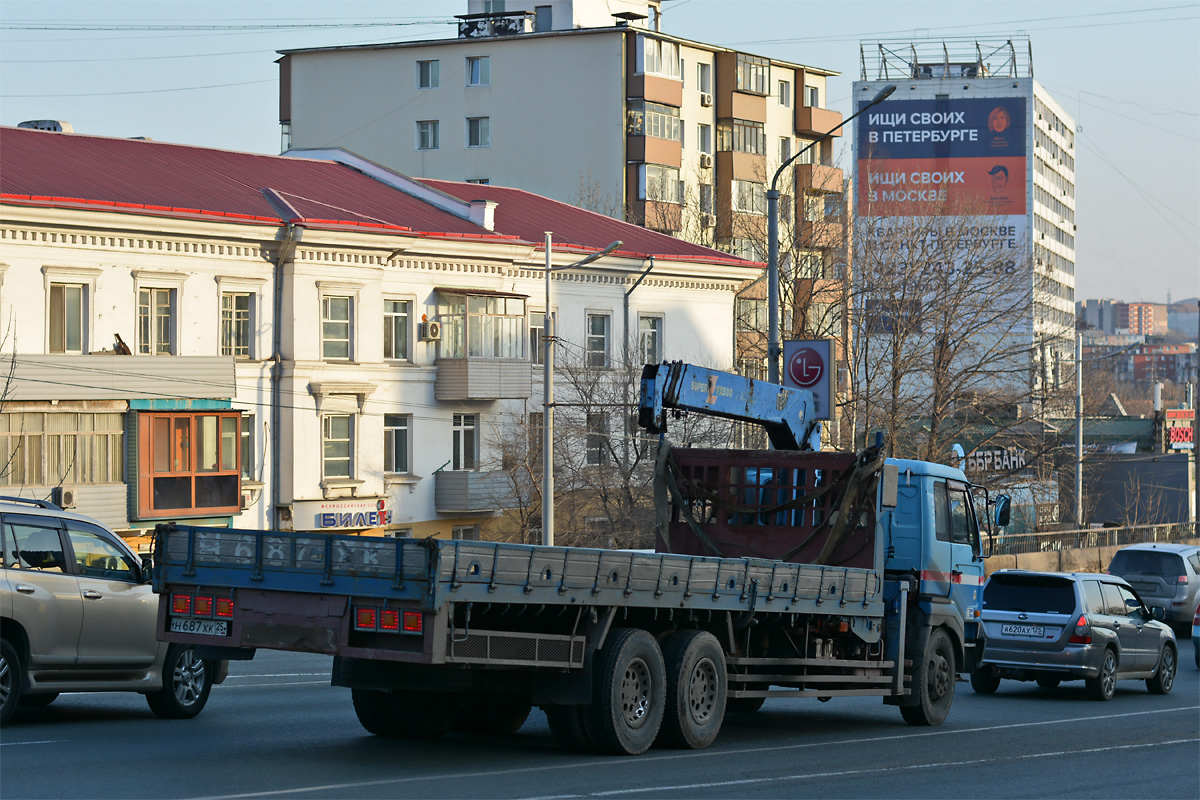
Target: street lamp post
{"x":773,"y":346}
{"x":548,"y":332}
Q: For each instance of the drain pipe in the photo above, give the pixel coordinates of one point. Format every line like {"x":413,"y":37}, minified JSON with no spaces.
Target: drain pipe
{"x":287,"y":250}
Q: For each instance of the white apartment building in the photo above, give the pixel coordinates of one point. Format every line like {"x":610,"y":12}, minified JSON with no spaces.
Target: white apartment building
{"x":242,"y":339}
{"x":975,"y":109}
{"x":589,"y":102}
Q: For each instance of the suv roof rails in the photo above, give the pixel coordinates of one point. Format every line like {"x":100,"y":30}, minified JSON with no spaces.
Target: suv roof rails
{"x":32,"y":501}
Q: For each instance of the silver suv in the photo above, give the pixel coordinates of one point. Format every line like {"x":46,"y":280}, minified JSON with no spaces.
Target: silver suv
{"x":77,"y":614}
{"x":1052,"y":626}
{"x":1166,"y":575}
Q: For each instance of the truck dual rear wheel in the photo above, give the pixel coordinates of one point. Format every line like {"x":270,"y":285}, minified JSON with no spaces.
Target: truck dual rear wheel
{"x":569,"y":726}
{"x":400,"y":712}
{"x":492,"y":713}
{"x":696,"y":690}
{"x":933,"y":682}
{"x":629,"y":693}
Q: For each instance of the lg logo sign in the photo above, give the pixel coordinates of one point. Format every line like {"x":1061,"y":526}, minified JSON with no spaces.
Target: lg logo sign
{"x":806,"y":367}
{"x":809,"y":364}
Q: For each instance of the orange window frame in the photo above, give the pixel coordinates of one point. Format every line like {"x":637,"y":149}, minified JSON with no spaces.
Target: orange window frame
{"x":172,"y":481}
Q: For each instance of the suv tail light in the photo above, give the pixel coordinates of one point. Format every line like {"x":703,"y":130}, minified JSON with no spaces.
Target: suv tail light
{"x":1183,"y":579}
{"x":1083,"y":631}
{"x":1196,"y":619}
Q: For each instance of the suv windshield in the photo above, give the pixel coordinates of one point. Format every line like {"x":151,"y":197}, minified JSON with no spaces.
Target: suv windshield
{"x":1147,"y":562}
{"x":1036,"y":593}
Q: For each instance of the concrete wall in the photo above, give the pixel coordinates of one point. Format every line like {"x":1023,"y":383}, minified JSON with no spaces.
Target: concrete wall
{"x":1084,"y":559}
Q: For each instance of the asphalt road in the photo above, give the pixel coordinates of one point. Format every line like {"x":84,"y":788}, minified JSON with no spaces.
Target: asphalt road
{"x":277,"y":729}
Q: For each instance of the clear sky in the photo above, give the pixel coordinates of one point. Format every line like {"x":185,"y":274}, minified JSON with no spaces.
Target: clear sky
{"x":202,"y":72}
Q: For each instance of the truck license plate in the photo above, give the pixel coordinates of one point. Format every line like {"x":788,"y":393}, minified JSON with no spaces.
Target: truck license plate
{"x":1023,"y":630}
{"x":204,"y":627}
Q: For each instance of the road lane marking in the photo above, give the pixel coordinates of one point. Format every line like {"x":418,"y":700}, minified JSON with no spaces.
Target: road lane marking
{"x":286,"y":683}
{"x":575,"y":764}
{"x":279,"y":675}
{"x":44,"y":741}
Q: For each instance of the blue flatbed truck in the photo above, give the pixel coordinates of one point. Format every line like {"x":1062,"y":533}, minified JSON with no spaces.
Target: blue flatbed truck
{"x":777,"y":574}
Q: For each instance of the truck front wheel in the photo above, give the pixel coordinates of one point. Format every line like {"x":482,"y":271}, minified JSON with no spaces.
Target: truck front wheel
{"x":629,"y":693}
{"x":696,"y":690}
{"x":933,"y":682}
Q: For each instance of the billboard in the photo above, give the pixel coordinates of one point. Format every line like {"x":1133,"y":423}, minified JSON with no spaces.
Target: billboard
{"x":923,"y":158}
{"x":809,"y":364}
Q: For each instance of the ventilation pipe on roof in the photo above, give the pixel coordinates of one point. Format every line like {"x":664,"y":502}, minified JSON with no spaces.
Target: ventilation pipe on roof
{"x":483,"y":214}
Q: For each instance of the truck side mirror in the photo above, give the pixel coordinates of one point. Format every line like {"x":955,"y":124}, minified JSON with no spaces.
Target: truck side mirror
{"x":1003,"y":510}
{"x":147,"y":568}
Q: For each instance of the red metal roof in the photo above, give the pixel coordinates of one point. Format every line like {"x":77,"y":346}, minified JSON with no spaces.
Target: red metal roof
{"x":74,"y":170}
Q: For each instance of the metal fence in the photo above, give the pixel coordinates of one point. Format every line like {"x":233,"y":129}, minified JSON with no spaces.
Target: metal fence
{"x":1092,"y":537}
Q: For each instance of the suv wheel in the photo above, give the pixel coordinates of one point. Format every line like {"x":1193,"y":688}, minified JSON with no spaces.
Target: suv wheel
{"x":984,"y":680}
{"x":10,"y":681}
{"x":1164,"y":677}
{"x":187,"y":681}
{"x":1104,"y":685}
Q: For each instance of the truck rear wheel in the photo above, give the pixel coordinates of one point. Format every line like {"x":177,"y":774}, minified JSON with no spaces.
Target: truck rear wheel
{"x":569,"y":726}
{"x":400,"y":712}
{"x":933,"y":682}
{"x":696,"y":690}
{"x":492,"y":713}
{"x":629,"y":693}
{"x":373,"y":711}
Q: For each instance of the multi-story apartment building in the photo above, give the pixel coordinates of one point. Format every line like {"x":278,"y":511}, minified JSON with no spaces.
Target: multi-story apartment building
{"x":311,"y":342}
{"x":969,"y":131}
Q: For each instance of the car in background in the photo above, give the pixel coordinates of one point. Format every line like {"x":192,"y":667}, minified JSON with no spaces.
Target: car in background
{"x":1196,"y":635}
{"x":1166,"y":575}
{"x":1051,"y":627}
{"x":77,"y":614}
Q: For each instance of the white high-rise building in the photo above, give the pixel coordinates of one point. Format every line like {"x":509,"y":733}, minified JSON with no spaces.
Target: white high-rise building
{"x":973,"y":111}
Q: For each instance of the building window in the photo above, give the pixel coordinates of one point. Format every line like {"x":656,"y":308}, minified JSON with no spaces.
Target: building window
{"x":335,"y":327}
{"x":742,"y":136}
{"x":395,"y":328}
{"x":395,"y":442}
{"x":706,"y":198}
{"x":189,"y":464}
{"x":785,"y":206}
{"x":480,"y":181}
{"x":337,"y":446}
{"x":597,"y":339}
{"x":745,"y":247}
{"x":833,"y":205}
{"x":653,"y":119}
{"x":749,"y":197}
{"x":428,"y":135}
{"x":659,"y":183}
{"x":597,"y":440}
{"x":61,"y":448}
{"x":812,"y":97}
{"x":650,"y":342}
{"x":704,"y":138}
{"x":481,"y":327}
{"x":156,"y":315}
{"x":236,"y":324}
{"x":479,"y":132}
{"x":247,"y":447}
{"x":536,"y":428}
{"x":785,"y":93}
{"x":465,"y":442}
{"x":479,"y":70}
{"x":808,"y":152}
{"x":658,"y":57}
{"x":704,"y":78}
{"x":537,"y":332}
{"x":785,"y":148}
{"x":753,"y":72}
{"x":429,"y":74}
{"x":66,"y":317}
{"x":467,"y":533}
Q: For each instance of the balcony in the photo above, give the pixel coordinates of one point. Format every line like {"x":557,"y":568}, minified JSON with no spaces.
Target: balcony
{"x":816,"y":121}
{"x":472,"y":492}
{"x":816,"y":176}
{"x":483,"y":379}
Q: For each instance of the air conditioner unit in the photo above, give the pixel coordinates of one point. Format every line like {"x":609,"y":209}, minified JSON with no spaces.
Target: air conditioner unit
{"x":707,"y":220}
{"x":705,"y":161}
{"x":63,"y":496}
{"x":706,"y":99}
{"x":430,"y":331}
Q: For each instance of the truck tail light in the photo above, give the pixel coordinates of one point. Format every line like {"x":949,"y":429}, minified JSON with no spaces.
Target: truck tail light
{"x":203,"y":606}
{"x":389,"y":620}
{"x":413,"y":621}
{"x":364,"y":619}
{"x":224,"y":606}
{"x":1082,"y":633}
{"x":181,"y":604}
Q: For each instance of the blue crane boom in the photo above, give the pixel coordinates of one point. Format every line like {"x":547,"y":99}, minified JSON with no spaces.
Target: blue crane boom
{"x":786,"y":414}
